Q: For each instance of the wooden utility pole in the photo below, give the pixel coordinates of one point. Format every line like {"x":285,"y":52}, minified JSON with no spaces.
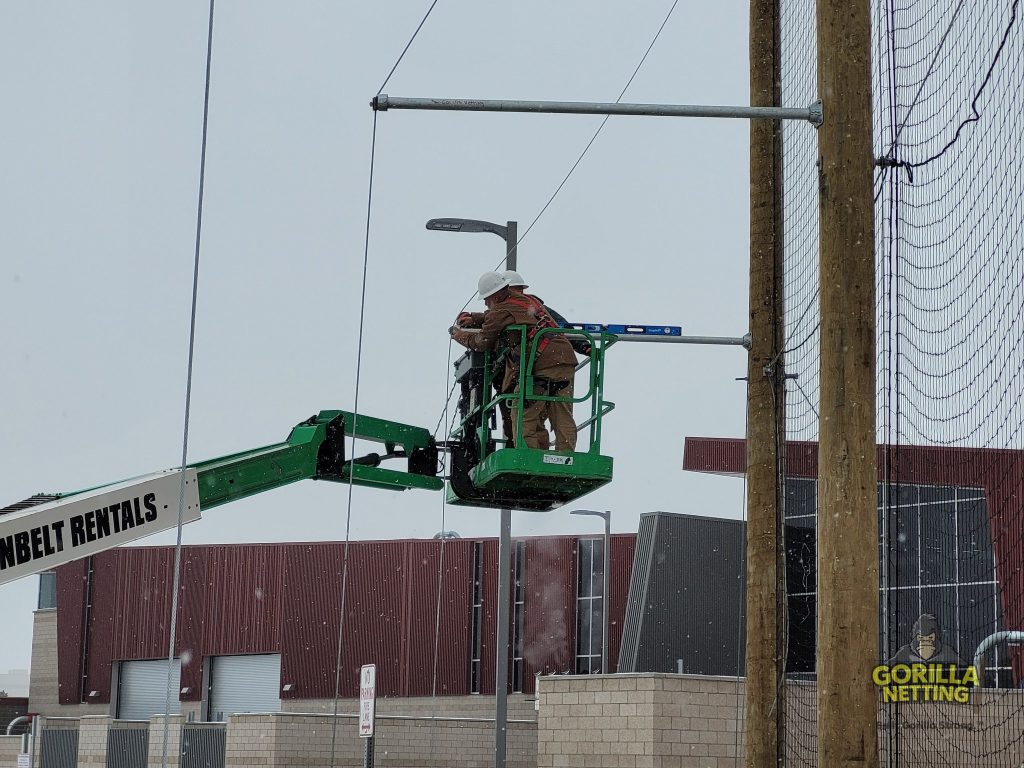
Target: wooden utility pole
{"x":847,"y":643}
{"x":765,"y":566}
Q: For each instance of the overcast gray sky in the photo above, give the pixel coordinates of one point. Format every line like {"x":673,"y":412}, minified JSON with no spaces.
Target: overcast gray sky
{"x":100,"y":164}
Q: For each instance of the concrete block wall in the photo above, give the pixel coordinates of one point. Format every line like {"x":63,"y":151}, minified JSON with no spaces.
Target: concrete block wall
{"x":43,"y":685}
{"x":10,"y":748}
{"x":92,"y":740}
{"x":42,"y":681}
{"x":520,"y":706}
{"x":640,"y":721}
{"x":252,"y":740}
{"x":284,"y":739}
{"x":986,"y":732}
{"x":156,"y":740}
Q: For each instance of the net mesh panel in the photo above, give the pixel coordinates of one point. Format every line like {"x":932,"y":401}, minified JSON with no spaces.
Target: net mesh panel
{"x":798,"y":50}
{"x":948,"y":92}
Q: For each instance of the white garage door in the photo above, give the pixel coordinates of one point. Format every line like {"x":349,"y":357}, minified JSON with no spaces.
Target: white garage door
{"x":142,"y":687}
{"x":245,"y":684}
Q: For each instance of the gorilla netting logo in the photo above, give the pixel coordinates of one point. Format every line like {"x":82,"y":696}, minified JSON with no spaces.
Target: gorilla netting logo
{"x":925,"y":669}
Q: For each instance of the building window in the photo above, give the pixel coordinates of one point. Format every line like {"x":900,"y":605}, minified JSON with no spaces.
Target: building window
{"x":47,"y":590}
{"x":936,"y":559}
{"x":476,"y":613}
{"x":589,"y":605}
{"x":518,"y":615}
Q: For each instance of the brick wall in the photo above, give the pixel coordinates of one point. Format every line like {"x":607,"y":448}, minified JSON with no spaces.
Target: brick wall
{"x":42,"y":681}
{"x":657,"y":721}
{"x":10,"y":748}
{"x":156,"y":740}
{"x":640,"y":721}
{"x":520,"y":707}
{"x":284,"y":739}
{"x":43,"y":686}
{"x":92,"y":740}
{"x":987,"y":732}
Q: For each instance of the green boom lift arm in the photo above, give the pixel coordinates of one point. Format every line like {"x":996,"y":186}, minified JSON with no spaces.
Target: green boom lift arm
{"x":48,"y":530}
{"x":315,"y":450}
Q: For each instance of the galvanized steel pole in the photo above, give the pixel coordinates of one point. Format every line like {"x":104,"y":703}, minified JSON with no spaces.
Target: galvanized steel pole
{"x":605,"y":597}
{"x":723,"y":341}
{"x":504,"y":579}
{"x":765,"y":566}
{"x":383,"y":103}
{"x":847,"y":636}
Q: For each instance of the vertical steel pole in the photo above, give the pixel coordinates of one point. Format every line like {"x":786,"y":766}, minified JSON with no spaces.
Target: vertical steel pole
{"x":504,"y":577}
{"x":368,"y":752}
{"x":765,"y":568}
{"x":605,"y":597}
{"x":848,"y":617}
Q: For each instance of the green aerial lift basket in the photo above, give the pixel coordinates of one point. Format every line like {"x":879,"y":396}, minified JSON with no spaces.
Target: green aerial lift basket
{"x":484,"y":475}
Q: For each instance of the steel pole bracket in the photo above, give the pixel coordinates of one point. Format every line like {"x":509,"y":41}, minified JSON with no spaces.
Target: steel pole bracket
{"x":816,"y":113}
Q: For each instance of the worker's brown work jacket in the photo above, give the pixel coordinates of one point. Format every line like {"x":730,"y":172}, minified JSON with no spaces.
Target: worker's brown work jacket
{"x":556,"y":361}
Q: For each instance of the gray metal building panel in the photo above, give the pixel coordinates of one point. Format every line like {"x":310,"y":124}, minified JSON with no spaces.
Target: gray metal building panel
{"x":142,"y":689}
{"x":686,"y":597}
{"x":249,"y":683}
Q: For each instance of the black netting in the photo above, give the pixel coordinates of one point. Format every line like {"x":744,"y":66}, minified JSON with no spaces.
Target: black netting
{"x":948,"y":82}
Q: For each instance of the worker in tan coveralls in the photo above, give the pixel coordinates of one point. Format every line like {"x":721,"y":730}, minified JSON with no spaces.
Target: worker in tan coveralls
{"x":553,"y":368}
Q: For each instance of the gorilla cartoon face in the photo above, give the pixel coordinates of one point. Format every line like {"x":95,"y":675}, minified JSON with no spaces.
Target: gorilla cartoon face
{"x":927,"y":639}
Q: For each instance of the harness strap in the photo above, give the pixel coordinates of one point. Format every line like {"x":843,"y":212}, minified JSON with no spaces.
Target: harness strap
{"x":544,"y":320}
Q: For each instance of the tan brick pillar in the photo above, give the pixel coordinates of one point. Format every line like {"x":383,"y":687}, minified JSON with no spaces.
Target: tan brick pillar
{"x":92,"y":740}
{"x":156,"y":740}
{"x":251,"y":740}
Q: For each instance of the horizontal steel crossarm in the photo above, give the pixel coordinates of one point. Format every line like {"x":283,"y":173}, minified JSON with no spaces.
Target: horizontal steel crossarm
{"x":811,"y":114}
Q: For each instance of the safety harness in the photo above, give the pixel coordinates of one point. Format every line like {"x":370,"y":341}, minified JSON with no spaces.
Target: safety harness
{"x":544,"y":320}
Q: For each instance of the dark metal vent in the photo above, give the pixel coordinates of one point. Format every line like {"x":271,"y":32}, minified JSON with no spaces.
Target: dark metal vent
{"x":31,"y":501}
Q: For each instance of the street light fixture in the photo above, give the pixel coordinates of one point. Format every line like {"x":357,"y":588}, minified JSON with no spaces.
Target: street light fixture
{"x":605,"y":569}
{"x":468,"y":225}
{"x":508,"y":233}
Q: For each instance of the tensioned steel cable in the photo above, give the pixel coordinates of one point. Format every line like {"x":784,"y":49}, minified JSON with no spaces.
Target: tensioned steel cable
{"x":590,"y":143}
{"x":176,"y":582}
{"x":603,"y":122}
{"x":351,"y":476}
{"x":355,"y":397}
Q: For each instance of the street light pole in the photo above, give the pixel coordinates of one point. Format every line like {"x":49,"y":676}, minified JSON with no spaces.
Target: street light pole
{"x":605,"y":573}
{"x":510,"y":234}
{"x":504,"y":577}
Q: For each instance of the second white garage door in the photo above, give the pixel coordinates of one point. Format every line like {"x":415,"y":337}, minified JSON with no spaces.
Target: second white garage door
{"x":245,"y":684}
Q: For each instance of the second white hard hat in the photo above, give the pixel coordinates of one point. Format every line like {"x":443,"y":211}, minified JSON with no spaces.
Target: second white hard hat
{"x":490,"y":283}
{"x":515,"y":280}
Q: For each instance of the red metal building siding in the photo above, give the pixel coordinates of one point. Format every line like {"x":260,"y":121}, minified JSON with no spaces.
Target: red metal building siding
{"x":243,"y":599}
{"x":452,"y":650}
{"x":71,"y":585}
{"x":142,"y":601}
{"x":549,"y":608}
{"x":490,"y":617}
{"x":102,"y":623}
{"x":390,"y":617}
{"x":623,"y":547}
{"x":374,"y":614}
{"x":309,"y":615}
{"x":285,"y":598}
{"x":191,"y":621}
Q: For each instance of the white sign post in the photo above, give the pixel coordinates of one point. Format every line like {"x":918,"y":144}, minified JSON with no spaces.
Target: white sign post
{"x":367,"y":699}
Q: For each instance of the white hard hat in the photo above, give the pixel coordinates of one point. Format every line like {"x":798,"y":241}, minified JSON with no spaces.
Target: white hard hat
{"x":515,"y":280}
{"x":490,"y":283}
